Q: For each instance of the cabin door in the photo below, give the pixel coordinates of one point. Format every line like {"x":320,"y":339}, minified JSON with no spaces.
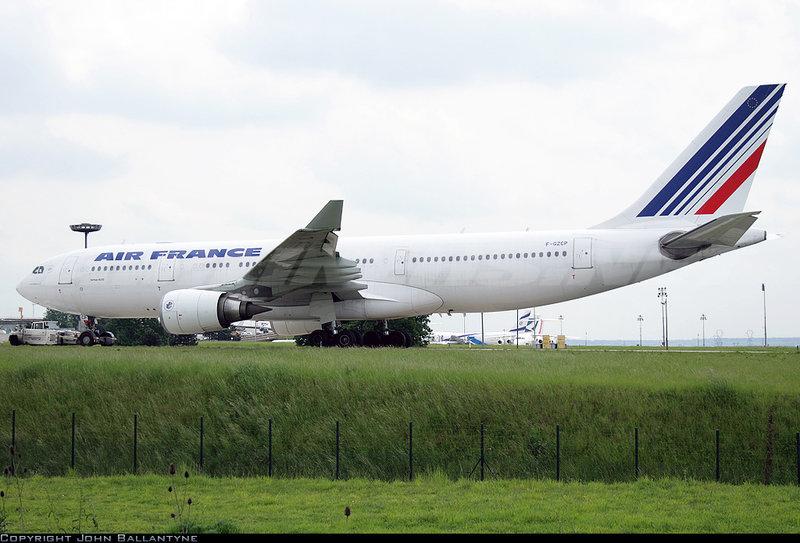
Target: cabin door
{"x":65,"y":275}
{"x":166,"y":270}
{"x":400,"y":262}
{"x":582,"y":253}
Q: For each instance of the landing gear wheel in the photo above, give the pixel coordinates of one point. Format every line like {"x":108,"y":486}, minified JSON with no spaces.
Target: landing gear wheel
{"x":316,"y":338}
{"x":86,"y":339}
{"x":346,"y":338}
{"x":408,"y":340}
{"x":328,"y":338}
{"x":395,"y":339}
{"x":107,"y":339}
{"x":372,"y":339}
{"x":13,"y":339}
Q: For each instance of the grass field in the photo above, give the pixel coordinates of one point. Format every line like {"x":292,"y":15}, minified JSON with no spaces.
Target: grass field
{"x":432,"y":504}
{"x":676,"y":399}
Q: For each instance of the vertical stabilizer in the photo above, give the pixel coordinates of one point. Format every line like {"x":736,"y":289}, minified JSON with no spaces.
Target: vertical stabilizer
{"x":713,"y":175}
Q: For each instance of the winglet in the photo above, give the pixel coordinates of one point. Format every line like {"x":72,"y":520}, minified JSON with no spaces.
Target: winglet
{"x":329,"y":218}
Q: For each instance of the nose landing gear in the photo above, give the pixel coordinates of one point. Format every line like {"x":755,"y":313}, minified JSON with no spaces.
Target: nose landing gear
{"x":94,"y":334}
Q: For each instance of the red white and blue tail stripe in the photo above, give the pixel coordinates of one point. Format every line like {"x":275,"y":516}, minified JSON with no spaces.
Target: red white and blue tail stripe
{"x":714,"y":173}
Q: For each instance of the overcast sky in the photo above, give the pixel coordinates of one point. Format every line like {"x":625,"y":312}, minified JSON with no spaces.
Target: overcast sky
{"x":193,"y":120}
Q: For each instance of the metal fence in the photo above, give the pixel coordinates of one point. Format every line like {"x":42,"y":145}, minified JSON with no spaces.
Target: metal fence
{"x":476,"y":454}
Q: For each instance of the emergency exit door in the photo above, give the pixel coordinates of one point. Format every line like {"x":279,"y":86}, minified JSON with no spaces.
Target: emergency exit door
{"x":582,"y":253}
{"x":400,"y":262}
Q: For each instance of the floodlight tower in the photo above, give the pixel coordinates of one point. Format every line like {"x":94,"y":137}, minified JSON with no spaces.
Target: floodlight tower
{"x":662,"y":295}
{"x":764,"y":292}
{"x":641,"y":320}
{"x":86,"y":228}
{"x":703,"y":320}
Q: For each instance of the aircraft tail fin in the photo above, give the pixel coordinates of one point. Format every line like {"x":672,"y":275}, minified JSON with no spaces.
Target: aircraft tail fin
{"x":527,"y":321}
{"x":713,"y":175}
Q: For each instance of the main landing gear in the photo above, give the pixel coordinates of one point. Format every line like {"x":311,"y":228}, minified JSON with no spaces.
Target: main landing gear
{"x":331,"y":337}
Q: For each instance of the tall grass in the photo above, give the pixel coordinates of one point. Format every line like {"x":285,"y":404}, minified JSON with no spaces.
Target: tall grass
{"x":677,"y":400}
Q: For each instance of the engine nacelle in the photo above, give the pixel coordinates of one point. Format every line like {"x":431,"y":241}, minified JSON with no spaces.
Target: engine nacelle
{"x":294,"y":328}
{"x":194,"y":311}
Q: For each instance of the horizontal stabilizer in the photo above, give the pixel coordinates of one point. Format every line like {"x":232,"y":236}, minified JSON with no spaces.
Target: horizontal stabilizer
{"x":726,"y":230}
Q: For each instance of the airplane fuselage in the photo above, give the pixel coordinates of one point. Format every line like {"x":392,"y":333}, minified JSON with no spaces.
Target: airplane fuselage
{"x":405,"y":275}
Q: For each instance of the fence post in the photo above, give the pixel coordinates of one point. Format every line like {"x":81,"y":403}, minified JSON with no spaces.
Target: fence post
{"x":411,"y":450}
{"x":135,"y":443}
{"x":336,"y":475}
{"x":269,"y":449}
{"x":558,"y":452}
{"x":483,"y":457}
{"x":202,"y":441}
{"x":636,"y":452}
{"x":797,"y":447}
{"x":717,"y":456}
{"x":72,"y":447}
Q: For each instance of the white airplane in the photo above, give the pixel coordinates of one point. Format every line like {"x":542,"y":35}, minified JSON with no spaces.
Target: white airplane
{"x":524,"y":332}
{"x":526,"y":324}
{"x":310,"y":281}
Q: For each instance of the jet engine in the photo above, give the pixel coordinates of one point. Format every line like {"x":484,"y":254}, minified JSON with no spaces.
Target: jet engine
{"x":194,"y":311}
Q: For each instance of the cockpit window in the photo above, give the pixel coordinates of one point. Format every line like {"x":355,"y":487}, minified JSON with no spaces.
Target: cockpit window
{"x":38,"y":270}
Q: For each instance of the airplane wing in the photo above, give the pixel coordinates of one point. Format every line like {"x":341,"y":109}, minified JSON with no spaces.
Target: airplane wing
{"x":725,"y":230}
{"x":305,"y":262}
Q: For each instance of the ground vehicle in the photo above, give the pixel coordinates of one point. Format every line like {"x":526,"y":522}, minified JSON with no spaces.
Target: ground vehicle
{"x":49,"y":333}
{"x":42,"y":333}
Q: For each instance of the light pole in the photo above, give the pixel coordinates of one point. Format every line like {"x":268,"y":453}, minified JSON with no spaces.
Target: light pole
{"x":85,"y":228}
{"x":703,"y":319}
{"x":764,"y":292}
{"x":641,"y":320}
{"x":561,"y":325}
{"x":662,"y":295}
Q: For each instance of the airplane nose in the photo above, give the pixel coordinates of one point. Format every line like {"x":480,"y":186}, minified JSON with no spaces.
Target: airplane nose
{"x":22,"y":289}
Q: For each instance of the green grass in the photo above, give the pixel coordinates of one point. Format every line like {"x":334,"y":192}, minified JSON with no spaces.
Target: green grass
{"x":677,"y":400}
{"x":432,"y":504}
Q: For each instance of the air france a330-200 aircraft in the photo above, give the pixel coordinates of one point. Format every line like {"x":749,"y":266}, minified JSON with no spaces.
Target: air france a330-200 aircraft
{"x":310,"y":281}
